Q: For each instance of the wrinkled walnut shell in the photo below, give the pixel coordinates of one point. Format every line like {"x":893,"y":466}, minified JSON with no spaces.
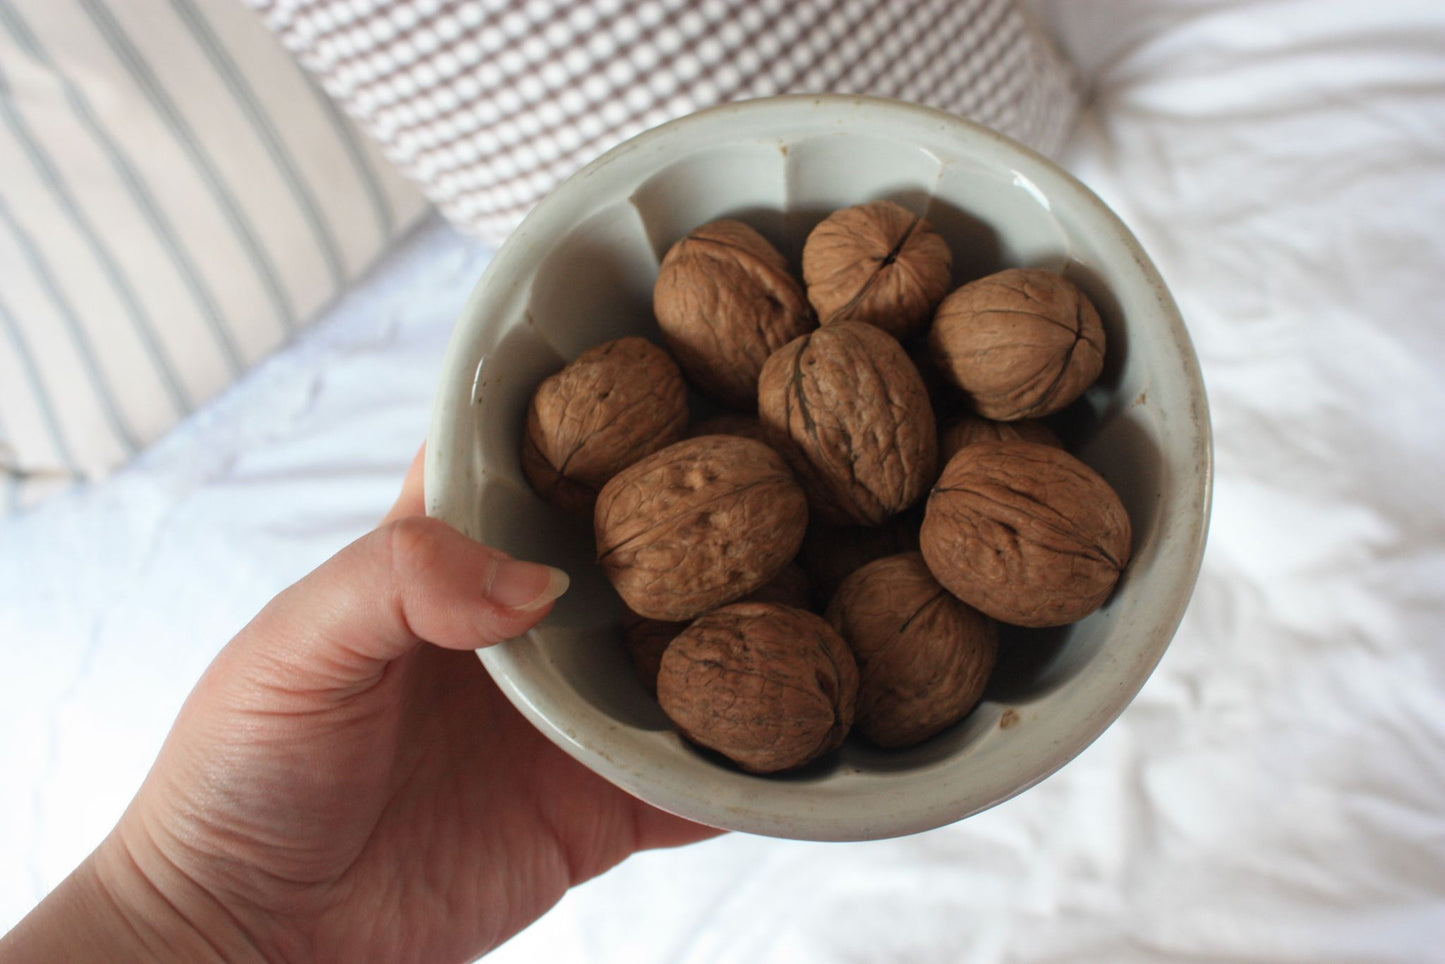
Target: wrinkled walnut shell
{"x":768,"y":686}
{"x":855,"y":411}
{"x":733,"y":423}
{"x":878,"y":263}
{"x":1021,"y":343}
{"x":967,"y":429}
{"x":611,"y":406}
{"x":725,"y":301}
{"x":831,"y":554}
{"x":698,"y":524}
{"x":943,"y":395}
{"x":924,"y":656}
{"x":1025,"y":533}
{"x":647,"y":639}
{"x":789,"y":587}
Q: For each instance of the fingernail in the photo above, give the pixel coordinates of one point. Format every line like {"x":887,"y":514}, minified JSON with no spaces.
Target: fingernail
{"x":526,"y":585}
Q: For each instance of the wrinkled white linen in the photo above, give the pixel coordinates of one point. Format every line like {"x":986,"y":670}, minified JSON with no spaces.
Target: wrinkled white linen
{"x":1275,"y":793}
{"x":113,"y":598}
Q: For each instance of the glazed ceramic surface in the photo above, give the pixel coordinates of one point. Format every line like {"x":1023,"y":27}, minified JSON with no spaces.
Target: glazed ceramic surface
{"x":580,"y":270}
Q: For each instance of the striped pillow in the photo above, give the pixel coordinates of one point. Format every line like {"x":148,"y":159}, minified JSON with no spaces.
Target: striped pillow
{"x":487,"y":105}
{"x":177,"y":200}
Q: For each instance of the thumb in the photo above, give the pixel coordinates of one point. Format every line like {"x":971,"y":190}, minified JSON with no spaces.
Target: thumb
{"x":412,"y":580}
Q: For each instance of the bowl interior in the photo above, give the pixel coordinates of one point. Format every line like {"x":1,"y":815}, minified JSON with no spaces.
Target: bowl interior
{"x":580,"y":270}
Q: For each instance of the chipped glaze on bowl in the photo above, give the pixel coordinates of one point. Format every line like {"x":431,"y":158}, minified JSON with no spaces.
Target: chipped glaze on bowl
{"x":579,"y":271}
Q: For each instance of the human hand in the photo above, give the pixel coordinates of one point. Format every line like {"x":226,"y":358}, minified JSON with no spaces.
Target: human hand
{"x":346,"y":781}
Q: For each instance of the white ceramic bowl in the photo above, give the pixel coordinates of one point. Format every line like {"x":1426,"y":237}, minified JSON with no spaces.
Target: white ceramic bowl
{"x":580,"y":271}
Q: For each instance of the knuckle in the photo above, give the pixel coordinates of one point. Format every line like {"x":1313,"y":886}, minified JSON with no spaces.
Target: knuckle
{"x":415,"y":547}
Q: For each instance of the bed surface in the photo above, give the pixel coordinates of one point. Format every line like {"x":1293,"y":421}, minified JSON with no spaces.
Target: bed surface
{"x":1275,"y":793}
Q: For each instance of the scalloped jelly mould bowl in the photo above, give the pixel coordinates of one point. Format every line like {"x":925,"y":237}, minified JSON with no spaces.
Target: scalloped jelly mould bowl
{"x":579,"y":271}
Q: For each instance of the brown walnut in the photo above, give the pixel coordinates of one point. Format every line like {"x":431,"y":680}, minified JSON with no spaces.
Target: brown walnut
{"x":878,"y":263}
{"x":943,"y":395}
{"x":855,"y":411}
{"x":732,"y":423}
{"x":923,"y":655}
{"x":789,"y":587}
{"x":605,"y":410}
{"x":725,"y":301}
{"x":647,"y":639}
{"x":1025,"y":533}
{"x":1021,"y":343}
{"x":700,"y":523}
{"x":768,"y":686}
{"x":831,"y":554}
{"x":967,"y":429}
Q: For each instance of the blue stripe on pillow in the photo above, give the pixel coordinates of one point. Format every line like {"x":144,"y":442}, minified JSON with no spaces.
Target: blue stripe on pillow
{"x":105,"y":393}
{"x":346,"y":135}
{"x":140,"y":320}
{"x":144,"y":199}
{"x":245,"y":98}
{"x":166,"y":109}
{"x":38,"y":390}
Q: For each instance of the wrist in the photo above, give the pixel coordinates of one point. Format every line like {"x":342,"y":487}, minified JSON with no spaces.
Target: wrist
{"x":113,"y":907}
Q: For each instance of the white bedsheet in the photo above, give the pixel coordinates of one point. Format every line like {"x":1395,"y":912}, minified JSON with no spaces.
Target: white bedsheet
{"x":114,"y":598}
{"x":1275,"y":793}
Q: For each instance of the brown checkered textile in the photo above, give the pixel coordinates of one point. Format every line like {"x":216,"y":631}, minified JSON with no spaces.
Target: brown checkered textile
{"x":489,"y":103}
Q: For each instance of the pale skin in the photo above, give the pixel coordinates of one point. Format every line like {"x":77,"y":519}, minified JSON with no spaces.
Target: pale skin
{"x":345,"y":782}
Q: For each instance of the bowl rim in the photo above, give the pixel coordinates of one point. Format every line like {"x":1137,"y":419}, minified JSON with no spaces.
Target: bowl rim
{"x":527,"y":245}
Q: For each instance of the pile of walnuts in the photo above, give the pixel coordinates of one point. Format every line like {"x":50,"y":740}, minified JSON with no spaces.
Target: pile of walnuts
{"x":833,"y":549}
